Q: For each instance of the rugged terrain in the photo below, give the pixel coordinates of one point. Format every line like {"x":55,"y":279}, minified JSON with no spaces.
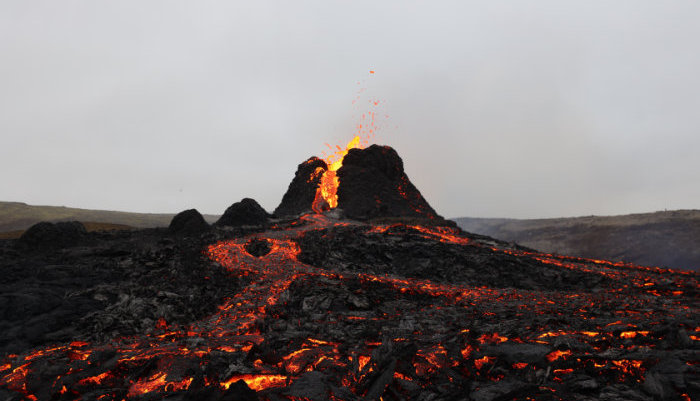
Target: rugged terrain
{"x":356,"y":290}
{"x":653,"y":239}
{"x":317,"y":308}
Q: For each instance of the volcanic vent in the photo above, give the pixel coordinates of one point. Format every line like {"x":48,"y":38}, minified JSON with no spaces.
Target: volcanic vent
{"x":319,"y":308}
{"x":364,"y":183}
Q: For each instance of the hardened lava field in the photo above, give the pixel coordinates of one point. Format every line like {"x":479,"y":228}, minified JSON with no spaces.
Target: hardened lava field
{"x":327,"y":309}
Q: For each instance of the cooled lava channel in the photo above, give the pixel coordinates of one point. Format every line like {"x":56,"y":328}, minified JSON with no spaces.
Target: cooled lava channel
{"x":340,"y":309}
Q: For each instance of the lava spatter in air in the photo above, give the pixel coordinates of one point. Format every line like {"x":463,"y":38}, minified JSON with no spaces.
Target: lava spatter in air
{"x":365,"y":130}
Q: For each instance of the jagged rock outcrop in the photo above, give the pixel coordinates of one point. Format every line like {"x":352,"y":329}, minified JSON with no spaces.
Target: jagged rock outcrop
{"x":53,"y":235}
{"x":247,"y":212}
{"x":373,"y":184}
{"x":188,"y":222}
{"x":302,"y":190}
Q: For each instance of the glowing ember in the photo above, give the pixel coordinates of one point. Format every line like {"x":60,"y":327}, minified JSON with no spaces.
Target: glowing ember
{"x":363,"y":361}
{"x":466,"y":352}
{"x":493,"y":338}
{"x":563,"y":371}
{"x":553,"y":356}
{"x":479,"y":363}
{"x":95,"y":379}
{"x":257,"y":382}
{"x":154,"y":382}
{"x":633,"y":334}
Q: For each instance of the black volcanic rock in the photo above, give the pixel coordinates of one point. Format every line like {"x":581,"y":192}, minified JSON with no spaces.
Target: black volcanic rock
{"x":302,"y":190}
{"x":114,"y":284}
{"x":188,"y":222}
{"x":339,"y":310}
{"x":350,"y":248}
{"x":247,"y":212}
{"x":258,"y":247}
{"x":51,"y":235}
{"x":374,"y":184}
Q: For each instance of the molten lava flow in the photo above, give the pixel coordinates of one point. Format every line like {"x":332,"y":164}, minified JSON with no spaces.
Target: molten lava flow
{"x":327,"y":191}
{"x":265,"y":344}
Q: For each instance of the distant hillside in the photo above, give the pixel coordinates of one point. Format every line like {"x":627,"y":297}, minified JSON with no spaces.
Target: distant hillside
{"x":658,"y":239}
{"x":15,"y":216}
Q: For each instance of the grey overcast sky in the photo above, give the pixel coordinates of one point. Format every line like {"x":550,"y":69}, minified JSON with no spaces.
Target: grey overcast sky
{"x":498,"y":108}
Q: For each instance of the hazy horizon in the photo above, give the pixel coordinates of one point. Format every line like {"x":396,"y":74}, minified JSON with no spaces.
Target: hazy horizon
{"x":270,"y":211}
{"x":499,"y":109}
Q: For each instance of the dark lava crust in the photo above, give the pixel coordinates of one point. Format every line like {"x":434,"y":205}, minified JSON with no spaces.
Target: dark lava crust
{"x":302,"y":190}
{"x":405,"y":252}
{"x":106,"y":285}
{"x":319,"y":309}
{"x":373,"y":184}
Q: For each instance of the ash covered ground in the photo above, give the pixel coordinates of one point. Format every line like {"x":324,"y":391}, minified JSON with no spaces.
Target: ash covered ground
{"x":377,"y":298}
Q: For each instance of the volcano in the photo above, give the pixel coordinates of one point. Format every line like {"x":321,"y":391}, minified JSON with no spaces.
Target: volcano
{"x":355,"y":290}
{"x":366,"y":183}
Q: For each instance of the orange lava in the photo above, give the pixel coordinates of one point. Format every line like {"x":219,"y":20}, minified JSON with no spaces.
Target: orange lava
{"x":479,"y":363}
{"x":633,"y":334}
{"x":257,"y":382}
{"x":327,"y":191}
{"x":233,"y":328}
{"x":554,"y":355}
{"x":493,"y":338}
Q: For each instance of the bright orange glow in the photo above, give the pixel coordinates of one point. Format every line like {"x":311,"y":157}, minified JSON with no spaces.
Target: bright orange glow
{"x":327,"y":191}
{"x":563,"y":371}
{"x":74,"y":355}
{"x":628,"y":366}
{"x":633,"y":334}
{"x":257,"y":382}
{"x":467,"y":351}
{"x":153,"y":383}
{"x":479,"y":363}
{"x":401,"y":376}
{"x":492,"y":339}
{"x":95,"y":380}
{"x":363,"y":360}
{"x":296,"y":361}
{"x":554,"y":355}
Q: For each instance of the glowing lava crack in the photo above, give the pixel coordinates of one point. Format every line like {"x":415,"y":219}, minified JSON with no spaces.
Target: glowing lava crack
{"x":337,"y":331}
